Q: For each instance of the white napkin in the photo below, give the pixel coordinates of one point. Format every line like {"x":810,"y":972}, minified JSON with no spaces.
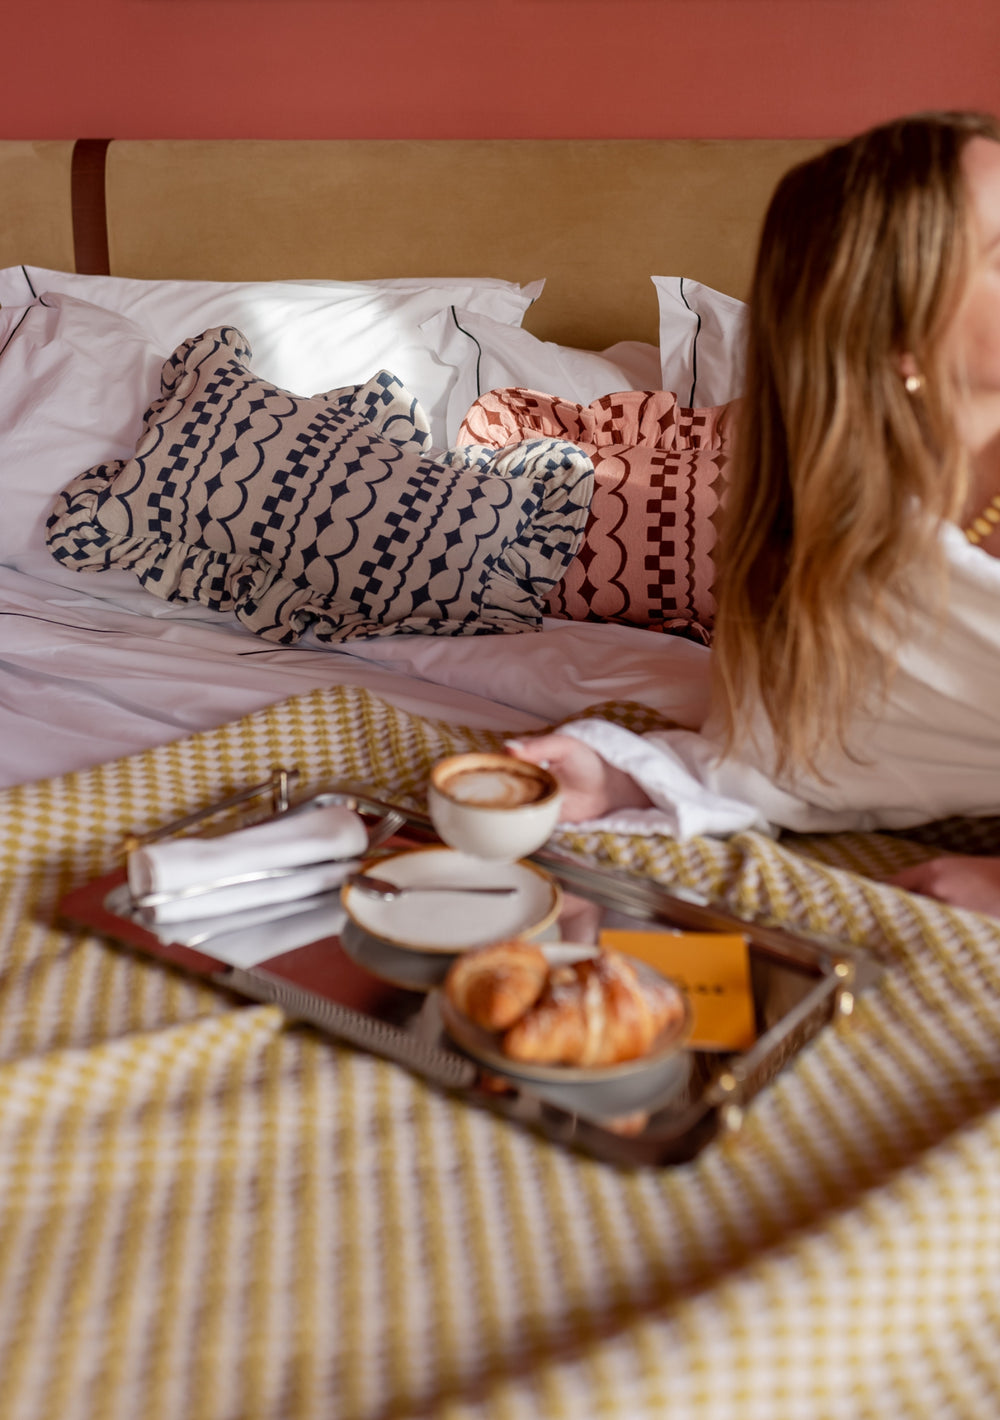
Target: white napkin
{"x":327,"y":839}
{"x":247,"y":938}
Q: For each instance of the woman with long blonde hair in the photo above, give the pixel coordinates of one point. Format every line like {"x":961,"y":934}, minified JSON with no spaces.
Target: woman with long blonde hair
{"x":856,"y":660}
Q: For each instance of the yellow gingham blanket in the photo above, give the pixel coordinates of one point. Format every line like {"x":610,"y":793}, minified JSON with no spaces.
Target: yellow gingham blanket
{"x":204,"y":1216}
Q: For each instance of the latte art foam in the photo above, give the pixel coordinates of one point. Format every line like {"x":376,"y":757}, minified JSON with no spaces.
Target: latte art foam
{"x":494,"y":788}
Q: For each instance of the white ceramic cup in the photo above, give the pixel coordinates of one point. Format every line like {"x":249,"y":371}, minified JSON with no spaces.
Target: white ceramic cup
{"x":492,"y":805}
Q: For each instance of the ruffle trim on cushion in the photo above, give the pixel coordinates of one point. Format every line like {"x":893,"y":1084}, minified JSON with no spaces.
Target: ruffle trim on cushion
{"x":327,"y":512}
{"x":647,"y":557}
{"x":651,"y":418}
{"x":553,"y":481}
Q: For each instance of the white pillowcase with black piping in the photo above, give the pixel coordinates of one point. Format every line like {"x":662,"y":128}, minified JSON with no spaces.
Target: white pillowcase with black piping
{"x":702,"y":342}
{"x":307,"y":336}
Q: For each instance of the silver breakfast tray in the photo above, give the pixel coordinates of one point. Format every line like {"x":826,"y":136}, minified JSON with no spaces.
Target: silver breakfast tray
{"x":801,"y":984}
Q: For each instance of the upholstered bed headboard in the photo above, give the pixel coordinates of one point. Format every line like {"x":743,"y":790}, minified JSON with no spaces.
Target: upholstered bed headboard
{"x":596,"y":218}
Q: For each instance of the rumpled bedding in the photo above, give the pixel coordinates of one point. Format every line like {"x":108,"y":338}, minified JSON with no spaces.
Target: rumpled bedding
{"x":206,"y":1214}
{"x":94,"y":668}
{"x":331,"y":512}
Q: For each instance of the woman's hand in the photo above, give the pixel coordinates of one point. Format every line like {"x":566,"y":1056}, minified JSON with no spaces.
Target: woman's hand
{"x":591,"y":787}
{"x":958,"y":879}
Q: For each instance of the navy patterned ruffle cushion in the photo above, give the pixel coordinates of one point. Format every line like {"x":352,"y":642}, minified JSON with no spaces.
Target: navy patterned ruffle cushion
{"x":330,"y":511}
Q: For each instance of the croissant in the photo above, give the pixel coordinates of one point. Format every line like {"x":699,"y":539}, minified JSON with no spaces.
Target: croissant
{"x":598,"y":1011}
{"x":495,"y":985}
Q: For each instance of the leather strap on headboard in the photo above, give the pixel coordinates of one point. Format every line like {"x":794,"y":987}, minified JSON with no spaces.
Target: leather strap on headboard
{"x":89,"y":204}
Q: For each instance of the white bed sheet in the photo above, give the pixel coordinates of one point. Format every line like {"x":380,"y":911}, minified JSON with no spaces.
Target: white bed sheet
{"x":93,"y":668}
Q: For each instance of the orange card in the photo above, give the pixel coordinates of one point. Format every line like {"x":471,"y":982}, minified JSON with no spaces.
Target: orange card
{"x":714,"y":969}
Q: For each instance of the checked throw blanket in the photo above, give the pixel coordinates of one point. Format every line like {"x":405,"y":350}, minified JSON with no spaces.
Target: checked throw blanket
{"x":207,"y":1216}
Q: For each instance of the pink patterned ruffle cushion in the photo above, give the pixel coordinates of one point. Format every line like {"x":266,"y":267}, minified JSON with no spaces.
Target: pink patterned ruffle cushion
{"x":647,"y":551}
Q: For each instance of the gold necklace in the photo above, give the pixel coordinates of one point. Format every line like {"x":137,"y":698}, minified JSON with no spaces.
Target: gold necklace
{"x":985,"y":523}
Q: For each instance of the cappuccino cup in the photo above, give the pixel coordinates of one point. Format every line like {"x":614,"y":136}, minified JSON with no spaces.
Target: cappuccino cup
{"x":492,"y":806}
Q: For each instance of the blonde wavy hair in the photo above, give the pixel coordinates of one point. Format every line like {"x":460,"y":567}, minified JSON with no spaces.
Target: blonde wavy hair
{"x":839,"y":476}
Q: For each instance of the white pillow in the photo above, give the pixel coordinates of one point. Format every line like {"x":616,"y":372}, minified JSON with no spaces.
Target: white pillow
{"x":74,"y":383}
{"x":307,"y":336}
{"x":489,"y":356}
{"x":702,"y":334}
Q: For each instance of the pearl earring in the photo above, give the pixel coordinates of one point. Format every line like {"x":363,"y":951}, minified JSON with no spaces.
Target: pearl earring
{"x":913,"y":384}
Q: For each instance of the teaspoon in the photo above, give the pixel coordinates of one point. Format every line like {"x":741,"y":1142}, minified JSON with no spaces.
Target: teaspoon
{"x":381,"y":887}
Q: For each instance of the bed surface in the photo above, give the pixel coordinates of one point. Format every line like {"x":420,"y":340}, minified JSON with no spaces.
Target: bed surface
{"x":209,"y":1215}
{"x":595,"y":219}
{"x":205,"y":1214}
{"x":87,"y":676}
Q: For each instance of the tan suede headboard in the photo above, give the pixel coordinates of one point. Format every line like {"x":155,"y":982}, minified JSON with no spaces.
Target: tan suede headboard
{"x":596,"y":218}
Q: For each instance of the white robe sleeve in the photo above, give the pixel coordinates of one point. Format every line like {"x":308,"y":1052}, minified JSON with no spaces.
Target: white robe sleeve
{"x":929,"y":751}
{"x":693,"y":791}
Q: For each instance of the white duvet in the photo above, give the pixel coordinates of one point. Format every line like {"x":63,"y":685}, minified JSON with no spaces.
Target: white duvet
{"x":92,"y":668}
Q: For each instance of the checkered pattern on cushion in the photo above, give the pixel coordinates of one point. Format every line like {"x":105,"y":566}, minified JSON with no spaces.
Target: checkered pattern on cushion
{"x":327,"y":511}
{"x":647,"y":553}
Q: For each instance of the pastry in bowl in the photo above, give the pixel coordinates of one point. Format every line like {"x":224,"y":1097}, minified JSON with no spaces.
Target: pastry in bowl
{"x":494,"y":986}
{"x":598,"y":1011}
{"x":595,"y":1012}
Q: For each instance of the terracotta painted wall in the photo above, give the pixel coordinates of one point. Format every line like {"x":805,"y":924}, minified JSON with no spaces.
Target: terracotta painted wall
{"x":488,"y":68}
